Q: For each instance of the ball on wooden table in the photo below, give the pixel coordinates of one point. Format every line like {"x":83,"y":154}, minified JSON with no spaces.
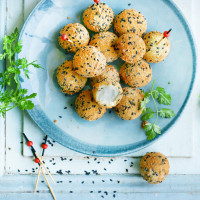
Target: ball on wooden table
{"x":154,"y":167}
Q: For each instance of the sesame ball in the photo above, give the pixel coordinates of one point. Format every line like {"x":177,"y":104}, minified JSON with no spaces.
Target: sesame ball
{"x":155,"y":52}
{"x":130,"y":21}
{"x":136,"y":75}
{"x":105,"y":42}
{"x":130,"y":47}
{"x":154,"y":167}
{"x":107,"y":94}
{"x":129,"y":106}
{"x":98,"y":17}
{"x":77,"y":37}
{"x":89,"y":62}
{"x":87,"y":108}
{"x":110,"y":74}
{"x":68,"y":79}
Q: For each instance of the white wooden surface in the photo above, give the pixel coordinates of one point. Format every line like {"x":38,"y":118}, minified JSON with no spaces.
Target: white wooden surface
{"x":171,"y":145}
{"x":183,"y":149}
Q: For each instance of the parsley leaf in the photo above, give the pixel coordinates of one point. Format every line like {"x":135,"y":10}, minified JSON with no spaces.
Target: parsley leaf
{"x":152,"y":130}
{"x":15,"y":97}
{"x":166,"y":113}
{"x":144,"y":102}
{"x":159,"y":94}
{"x":148,"y":114}
{"x":164,"y":98}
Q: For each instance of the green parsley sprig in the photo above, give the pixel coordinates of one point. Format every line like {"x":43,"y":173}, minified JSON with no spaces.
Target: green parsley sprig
{"x":162,"y":97}
{"x":15,"y":97}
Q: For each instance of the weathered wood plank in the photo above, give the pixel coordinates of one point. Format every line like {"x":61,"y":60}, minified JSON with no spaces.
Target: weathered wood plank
{"x":2,"y":66}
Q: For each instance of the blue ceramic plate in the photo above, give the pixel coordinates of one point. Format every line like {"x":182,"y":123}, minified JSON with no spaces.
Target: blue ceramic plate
{"x":108,"y":136}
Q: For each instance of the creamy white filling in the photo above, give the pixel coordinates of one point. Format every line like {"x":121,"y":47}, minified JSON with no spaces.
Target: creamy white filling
{"x":108,"y":95}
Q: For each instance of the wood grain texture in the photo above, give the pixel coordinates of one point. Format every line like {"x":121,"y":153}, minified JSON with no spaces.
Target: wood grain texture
{"x":2,"y":66}
{"x":130,"y":187}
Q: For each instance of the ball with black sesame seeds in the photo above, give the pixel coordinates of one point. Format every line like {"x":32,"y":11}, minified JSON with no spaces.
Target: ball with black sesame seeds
{"x":68,"y":79}
{"x":155,"y":51}
{"x":87,"y":108}
{"x":154,"y":167}
{"x":77,"y":37}
{"x":110,"y":74}
{"x":98,"y":17}
{"x":105,"y":42}
{"x":136,"y":75}
{"x":89,"y":62}
{"x":129,"y":107}
{"x":107,"y":94}
{"x":130,"y":47}
{"x":130,"y":21}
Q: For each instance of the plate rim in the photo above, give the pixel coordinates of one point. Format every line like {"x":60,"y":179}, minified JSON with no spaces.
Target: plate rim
{"x":97,"y":149}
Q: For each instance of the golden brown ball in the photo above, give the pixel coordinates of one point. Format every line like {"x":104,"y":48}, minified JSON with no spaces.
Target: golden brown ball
{"x":107,"y":94}
{"x":105,"y":42}
{"x":77,"y":37}
{"x":154,"y":167}
{"x":87,"y":108}
{"x":129,"y":107}
{"x":130,"y":47}
{"x":98,"y":17}
{"x":68,"y":79}
{"x":130,"y":21}
{"x":136,"y":75}
{"x":110,"y":74}
{"x":155,"y":51}
{"x":89,"y":62}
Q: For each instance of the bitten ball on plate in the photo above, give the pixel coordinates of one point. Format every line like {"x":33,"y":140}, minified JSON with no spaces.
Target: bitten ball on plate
{"x":156,"y":50}
{"x":130,"y":47}
{"x":87,"y":108}
{"x":154,"y":167}
{"x":110,"y":74}
{"x":130,"y":21}
{"x":68,"y":79}
{"x":89,"y":62}
{"x":107,"y":94}
{"x":73,"y":37}
{"x":105,"y":42}
{"x":129,"y":107}
{"x":98,"y":17}
{"x":136,"y":75}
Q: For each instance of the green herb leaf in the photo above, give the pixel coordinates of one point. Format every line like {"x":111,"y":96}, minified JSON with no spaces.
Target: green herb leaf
{"x":145,"y":101}
{"x":164,"y":98}
{"x":148,"y":114}
{"x":159,"y":94}
{"x":166,"y":113}
{"x":155,"y":94}
{"x":152,"y":130}
{"x":16,"y":97}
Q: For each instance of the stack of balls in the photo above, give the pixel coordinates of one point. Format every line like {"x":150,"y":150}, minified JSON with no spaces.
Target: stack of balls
{"x":129,"y":42}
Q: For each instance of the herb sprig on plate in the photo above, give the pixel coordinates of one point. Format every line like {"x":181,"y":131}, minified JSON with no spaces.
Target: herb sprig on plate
{"x":15,"y":97}
{"x":162,"y":97}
